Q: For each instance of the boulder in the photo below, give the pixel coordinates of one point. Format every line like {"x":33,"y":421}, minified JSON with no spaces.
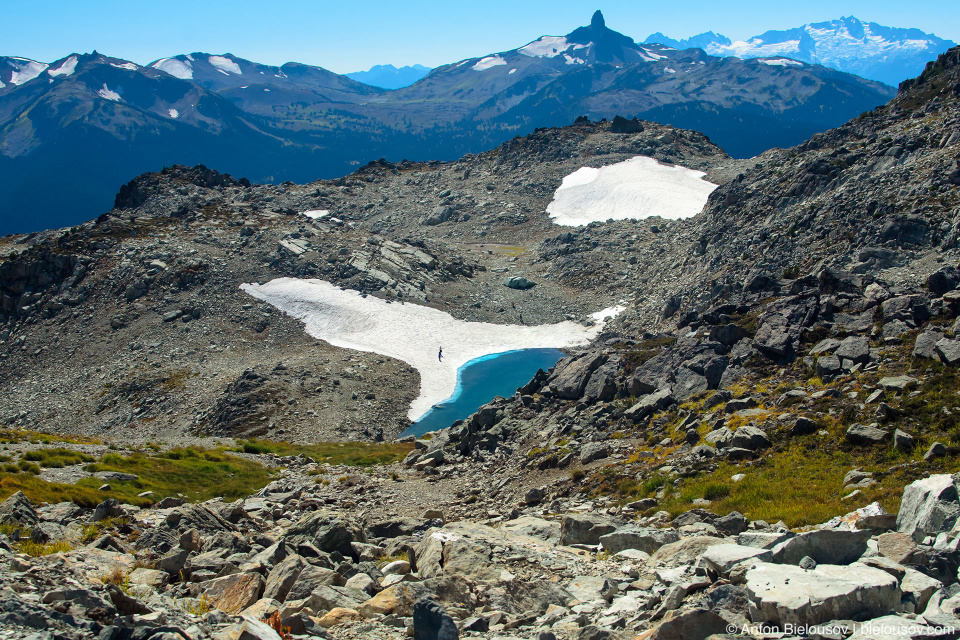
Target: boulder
{"x":825,"y":546}
{"x":17,"y":510}
{"x":855,"y":348}
{"x":569,"y":381}
{"x":926,"y":344}
{"x":337,"y":616}
{"x":731,"y":524}
{"x":898,"y":383}
{"x":586,"y":528}
{"x":683,"y":552}
{"x":803,"y":426}
{"x":949,"y":351}
{"x":647,"y":540}
{"x":592,"y":588}
{"x":751,"y":438}
{"x":919,"y":586}
{"x":828,"y":366}
{"x":783,"y":594}
{"x":311,"y":578}
{"x":929,"y":506}
{"x":234,"y":592}
{"x":593,"y":451}
{"x":688,"y":383}
{"x":650,"y":404}
{"x":518,"y":282}
{"x":432,"y":622}
{"x":866,"y":434}
{"x":325,"y":531}
{"x":538,"y":528}
{"x":693,"y":624}
{"x":283,"y":576}
{"x":724,"y":557}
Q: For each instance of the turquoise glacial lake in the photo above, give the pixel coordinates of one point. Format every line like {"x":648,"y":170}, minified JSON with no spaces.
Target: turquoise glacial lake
{"x":480,"y":381}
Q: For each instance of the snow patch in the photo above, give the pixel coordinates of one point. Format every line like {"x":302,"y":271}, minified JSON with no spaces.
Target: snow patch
{"x":669,"y":70}
{"x":316,"y":213}
{"x":27,"y":71}
{"x":107,"y":94}
{"x":176,"y":68}
{"x":512,"y":71}
{"x":545,"y":47}
{"x":173,"y":113}
{"x":66,"y":69}
{"x":571,"y":60}
{"x":411,"y":332}
{"x":129,"y":66}
{"x":226,"y":65}
{"x":637,"y":188}
{"x":488,"y":63}
{"x":781,"y":62}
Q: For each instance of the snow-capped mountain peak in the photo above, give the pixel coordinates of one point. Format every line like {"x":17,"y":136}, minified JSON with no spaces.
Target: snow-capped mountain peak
{"x":848,"y":44}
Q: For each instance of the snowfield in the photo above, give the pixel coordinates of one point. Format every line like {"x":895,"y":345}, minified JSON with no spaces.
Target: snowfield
{"x":66,"y":69}
{"x":637,"y":188}
{"x":225,"y":65}
{"x":781,"y":62}
{"x":412,"y":333}
{"x":488,"y":63}
{"x":108,"y":94}
{"x":26,"y":71}
{"x":176,"y":68}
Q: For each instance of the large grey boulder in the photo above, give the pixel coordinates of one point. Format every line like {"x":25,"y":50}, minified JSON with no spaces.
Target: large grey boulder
{"x":683,"y":552}
{"x":17,"y":510}
{"x":949,"y":351}
{"x":432,"y":622}
{"x":826,"y":546}
{"x":688,"y":383}
{"x":866,"y":434}
{"x":325,"y":531}
{"x":751,"y":438}
{"x":538,"y":528}
{"x":929,"y":506}
{"x":592,"y":588}
{"x":855,"y":348}
{"x":648,"y":405}
{"x":518,"y":282}
{"x":570,"y":381}
{"x":724,"y":557}
{"x":283,"y":576}
{"x":926,"y":344}
{"x":647,"y":540}
{"x":586,"y":528}
{"x":593,"y":451}
{"x":783,"y":594}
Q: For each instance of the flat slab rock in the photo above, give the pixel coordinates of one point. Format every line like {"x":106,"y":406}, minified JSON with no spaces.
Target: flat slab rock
{"x":785,"y":594}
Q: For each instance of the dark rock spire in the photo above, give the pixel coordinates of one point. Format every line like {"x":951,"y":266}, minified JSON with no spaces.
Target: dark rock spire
{"x":597,"y":19}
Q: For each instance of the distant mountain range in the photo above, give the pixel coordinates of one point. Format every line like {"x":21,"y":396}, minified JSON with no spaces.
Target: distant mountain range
{"x":866,"y":49}
{"x":387,"y":76}
{"x":72,"y":131}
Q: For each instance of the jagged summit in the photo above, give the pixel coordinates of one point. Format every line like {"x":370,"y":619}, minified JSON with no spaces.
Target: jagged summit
{"x":610,"y":45}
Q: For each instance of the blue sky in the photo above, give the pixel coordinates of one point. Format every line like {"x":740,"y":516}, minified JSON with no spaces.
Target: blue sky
{"x":352,"y":36}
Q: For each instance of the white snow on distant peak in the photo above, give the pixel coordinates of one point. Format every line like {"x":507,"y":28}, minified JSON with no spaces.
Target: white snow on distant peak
{"x":225,"y":65}
{"x":280,"y":74}
{"x":223,"y":72}
{"x":512,"y":71}
{"x":650,"y":56}
{"x":545,"y":47}
{"x":66,"y":69}
{"x":176,"y":68}
{"x":669,"y":70}
{"x":173,"y":113}
{"x":781,"y":62}
{"x":107,"y":94}
{"x":488,"y":63}
{"x":571,"y":60}
{"x":637,"y":188}
{"x":27,"y":72}
{"x":129,"y":66}
{"x":189,"y":57}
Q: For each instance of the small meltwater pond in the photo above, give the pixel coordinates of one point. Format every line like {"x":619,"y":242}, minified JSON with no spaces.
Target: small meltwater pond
{"x":482,"y":379}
